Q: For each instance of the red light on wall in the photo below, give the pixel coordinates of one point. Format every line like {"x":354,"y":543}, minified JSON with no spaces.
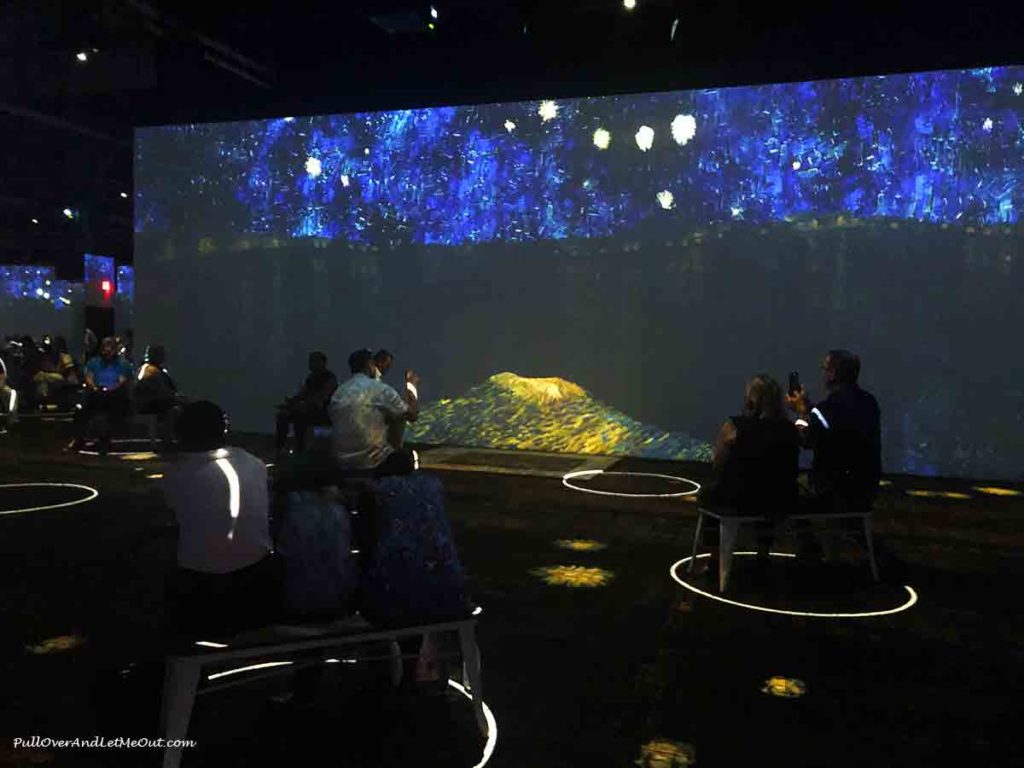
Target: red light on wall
{"x":106,"y":287}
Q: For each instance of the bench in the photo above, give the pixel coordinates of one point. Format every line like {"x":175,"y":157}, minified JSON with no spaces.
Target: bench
{"x":184,"y":669}
{"x":729,"y":526}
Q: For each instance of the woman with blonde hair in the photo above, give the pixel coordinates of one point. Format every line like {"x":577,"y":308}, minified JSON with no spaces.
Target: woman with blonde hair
{"x":756,"y":461}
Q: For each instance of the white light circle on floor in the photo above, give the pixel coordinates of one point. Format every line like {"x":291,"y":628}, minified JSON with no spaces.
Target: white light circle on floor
{"x":911,"y":599}
{"x":492,"y":725}
{"x":93,"y":493}
{"x":595,"y":472}
{"x":119,"y":441}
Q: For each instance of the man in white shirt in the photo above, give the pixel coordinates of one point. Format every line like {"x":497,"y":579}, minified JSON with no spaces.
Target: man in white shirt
{"x":364,"y":411}
{"x":225,"y":577}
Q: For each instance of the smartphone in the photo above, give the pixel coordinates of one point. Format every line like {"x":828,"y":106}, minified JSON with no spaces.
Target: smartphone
{"x":794,"y":382}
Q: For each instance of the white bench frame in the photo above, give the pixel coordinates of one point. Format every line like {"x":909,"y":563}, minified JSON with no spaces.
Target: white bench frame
{"x":183,"y":672}
{"x":728,"y":533}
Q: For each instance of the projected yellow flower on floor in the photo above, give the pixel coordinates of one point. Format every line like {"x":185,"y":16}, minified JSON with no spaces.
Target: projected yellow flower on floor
{"x":990,"y":490}
{"x":573,"y":576}
{"x":580,"y":545}
{"x":602,"y":138}
{"x":784,"y":687}
{"x":924,"y":494}
{"x":662,"y":753}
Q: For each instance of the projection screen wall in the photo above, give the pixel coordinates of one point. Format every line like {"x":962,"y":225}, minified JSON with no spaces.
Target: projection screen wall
{"x":602,"y":275}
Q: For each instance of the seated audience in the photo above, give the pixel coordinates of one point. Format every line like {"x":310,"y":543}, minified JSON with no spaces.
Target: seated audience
{"x":56,"y":371}
{"x":362,"y":411}
{"x":756,"y":462}
{"x":8,"y":395}
{"x":844,"y":431}
{"x":155,"y":391}
{"x":106,"y":380}
{"x":308,"y":407}
{"x":226,"y":578}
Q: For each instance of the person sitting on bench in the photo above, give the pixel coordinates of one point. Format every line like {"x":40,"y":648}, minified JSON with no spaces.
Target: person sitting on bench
{"x":844,"y":431}
{"x":756,"y":462}
{"x":226,"y":579}
{"x":106,"y":379}
{"x":308,"y":407}
{"x":366,"y":420}
{"x":155,"y":391}
{"x":8,"y":395}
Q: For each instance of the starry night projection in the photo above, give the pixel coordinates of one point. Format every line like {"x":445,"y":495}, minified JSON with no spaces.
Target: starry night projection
{"x":603,"y":275}
{"x":937,"y":147}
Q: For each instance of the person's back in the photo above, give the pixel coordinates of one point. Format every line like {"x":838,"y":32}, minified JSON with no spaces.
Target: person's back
{"x":221,"y":502}
{"x":847,"y":444}
{"x":757,"y":457}
{"x":763,"y":465}
{"x":226,"y":578}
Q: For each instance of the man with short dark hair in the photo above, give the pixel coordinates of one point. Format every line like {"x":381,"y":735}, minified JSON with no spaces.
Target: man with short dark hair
{"x":362,"y":412}
{"x":226,"y":578}
{"x":308,"y":407}
{"x":844,"y":431}
{"x":106,"y":377}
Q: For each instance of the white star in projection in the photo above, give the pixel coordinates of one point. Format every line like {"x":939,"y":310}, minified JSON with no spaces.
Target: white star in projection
{"x":510,"y":126}
{"x":548,"y":110}
{"x":313,"y":166}
{"x":796,"y":165}
{"x":602,"y":138}
{"x":666,"y":200}
{"x":1018,"y":88}
{"x":645,"y":138}
{"x":988,"y":124}
{"x":345,"y":181}
{"x":684,"y":128}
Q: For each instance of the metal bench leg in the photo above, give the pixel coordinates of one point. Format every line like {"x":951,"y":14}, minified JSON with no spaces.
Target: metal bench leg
{"x":696,"y":540}
{"x":181,"y":679}
{"x":728,"y":531}
{"x":871,"y":547}
{"x":472,"y":676}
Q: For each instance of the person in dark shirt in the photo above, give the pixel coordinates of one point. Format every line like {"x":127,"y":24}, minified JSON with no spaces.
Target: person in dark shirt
{"x":155,"y":391}
{"x":756,"y":461}
{"x":844,"y":431}
{"x":309,"y":406}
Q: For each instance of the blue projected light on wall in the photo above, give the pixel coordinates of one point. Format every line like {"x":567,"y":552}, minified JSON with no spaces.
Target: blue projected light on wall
{"x":126,"y":283}
{"x":34,"y":284}
{"x":937,"y":147}
{"x":604,"y":275}
{"x":98,"y":268}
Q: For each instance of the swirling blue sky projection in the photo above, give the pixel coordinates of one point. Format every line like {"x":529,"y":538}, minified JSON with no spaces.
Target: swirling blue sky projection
{"x":939,"y":147}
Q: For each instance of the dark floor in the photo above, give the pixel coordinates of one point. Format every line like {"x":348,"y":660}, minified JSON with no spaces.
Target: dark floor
{"x":635,"y":671}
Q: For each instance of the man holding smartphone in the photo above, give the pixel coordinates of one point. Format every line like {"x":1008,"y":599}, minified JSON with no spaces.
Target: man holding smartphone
{"x":367,"y":417}
{"x":844,"y":431}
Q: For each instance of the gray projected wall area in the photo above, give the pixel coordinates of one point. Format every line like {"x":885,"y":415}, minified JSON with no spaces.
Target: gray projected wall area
{"x":602,"y":275}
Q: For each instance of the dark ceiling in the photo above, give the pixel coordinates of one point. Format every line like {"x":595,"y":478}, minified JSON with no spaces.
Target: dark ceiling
{"x":67,"y":124}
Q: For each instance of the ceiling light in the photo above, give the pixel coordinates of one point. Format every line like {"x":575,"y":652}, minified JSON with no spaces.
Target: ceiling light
{"x":629,"y":5}
{"x":69,"y":213}
{"x":433,"y":12}
{"x":35,"y":221}
{"x":82,"y":56}
{"x":124,"y":195}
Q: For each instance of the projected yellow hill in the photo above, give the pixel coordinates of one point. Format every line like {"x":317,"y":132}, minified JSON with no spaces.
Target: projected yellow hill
{"x":548,"y":414}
